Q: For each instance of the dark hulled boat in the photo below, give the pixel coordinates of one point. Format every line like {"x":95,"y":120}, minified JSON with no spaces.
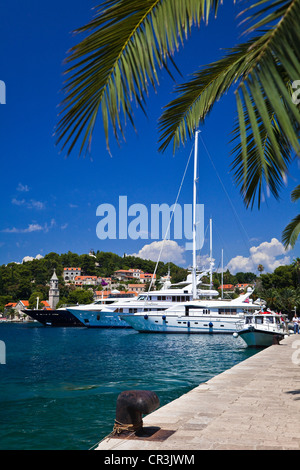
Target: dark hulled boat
{"x":59,"y":317}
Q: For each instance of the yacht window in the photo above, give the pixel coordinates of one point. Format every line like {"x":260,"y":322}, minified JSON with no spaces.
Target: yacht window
{"x":98,"y":317}
{"x":227,"y":311}
{"x":259,"y":320}
{"x":269,"y":319}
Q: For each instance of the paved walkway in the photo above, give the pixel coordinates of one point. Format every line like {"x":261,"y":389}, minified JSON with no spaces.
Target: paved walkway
{"x":253,"y":406}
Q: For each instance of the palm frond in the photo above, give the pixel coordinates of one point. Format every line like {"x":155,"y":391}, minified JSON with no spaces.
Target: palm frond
{"x":263,"y":70}
{"x":127,"y":43}
{"x":291,"y":232}
{"x":295,"y":194}
{"x":196,"y":98}
{"x":262,"y":153}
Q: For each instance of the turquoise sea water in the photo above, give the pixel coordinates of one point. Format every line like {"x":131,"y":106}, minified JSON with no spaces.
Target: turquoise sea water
{"x":59,"y":386}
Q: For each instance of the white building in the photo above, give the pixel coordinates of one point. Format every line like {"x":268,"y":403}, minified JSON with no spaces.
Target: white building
{"x":71,"y":273}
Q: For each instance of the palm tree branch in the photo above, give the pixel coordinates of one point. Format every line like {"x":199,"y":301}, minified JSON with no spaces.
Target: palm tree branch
{"x":291,"y":232}
{"x":114,"y":64}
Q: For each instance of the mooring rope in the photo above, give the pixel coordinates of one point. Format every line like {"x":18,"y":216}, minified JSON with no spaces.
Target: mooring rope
{"x":120,"y":427}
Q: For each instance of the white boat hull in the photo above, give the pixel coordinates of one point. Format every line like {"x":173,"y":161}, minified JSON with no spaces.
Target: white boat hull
{"x":181,"y":324}
{"x":99,"y":319}
{"x":259,"y":338}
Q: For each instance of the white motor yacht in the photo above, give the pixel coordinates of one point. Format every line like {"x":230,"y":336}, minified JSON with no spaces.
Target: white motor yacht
{"x":100,"y":315}
{"x":196,"y":316}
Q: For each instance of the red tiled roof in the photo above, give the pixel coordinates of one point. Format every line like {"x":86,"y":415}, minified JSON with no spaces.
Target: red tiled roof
{"x":78,"y":278}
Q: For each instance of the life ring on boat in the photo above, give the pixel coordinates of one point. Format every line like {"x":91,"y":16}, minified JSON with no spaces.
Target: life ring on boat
{"x":146,"y":317}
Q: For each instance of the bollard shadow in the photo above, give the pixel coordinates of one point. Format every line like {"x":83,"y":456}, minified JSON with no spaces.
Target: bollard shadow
{"x":294,"y":392}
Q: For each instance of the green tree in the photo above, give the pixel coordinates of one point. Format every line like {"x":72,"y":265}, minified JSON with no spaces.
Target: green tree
{"x":33,"y":299}
{"x":129,"y":40}
{"x":79,"y":296}
{"x":260,"y":268}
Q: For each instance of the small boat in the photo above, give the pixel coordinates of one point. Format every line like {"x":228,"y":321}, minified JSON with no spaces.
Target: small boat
{"x":261,"y":329}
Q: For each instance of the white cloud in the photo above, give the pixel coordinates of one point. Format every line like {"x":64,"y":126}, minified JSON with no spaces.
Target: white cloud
{"x":31,"y":228}
{"x":22,"y":187}
{"x":203,"y":262}
{"x":36,"y":204}
{"x":18,"y":202}
{"x":171,"y":252}
{"x":51,"y":225}
{"x":32,"y":204}
{"x":269,"y":254}
{"x":31,"y":258}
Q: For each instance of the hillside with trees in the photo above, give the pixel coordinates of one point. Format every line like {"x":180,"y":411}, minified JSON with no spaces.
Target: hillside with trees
{"x":26,"y":281}
{"x":31,"y":278}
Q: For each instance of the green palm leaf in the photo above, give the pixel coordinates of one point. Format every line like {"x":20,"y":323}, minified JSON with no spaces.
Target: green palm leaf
{"x":295,"y":194}
{"x":197,"y":97}
{"x":127,"y":43}
{"x":263,"y":70}
{"x":291,"y":232}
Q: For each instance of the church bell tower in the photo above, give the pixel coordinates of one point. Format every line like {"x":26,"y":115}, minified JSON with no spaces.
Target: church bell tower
{"x":54,"y":291}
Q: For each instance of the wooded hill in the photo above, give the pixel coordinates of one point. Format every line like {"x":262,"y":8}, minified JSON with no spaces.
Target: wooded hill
{"x":281,"y":289}
{"x":20,"y":281}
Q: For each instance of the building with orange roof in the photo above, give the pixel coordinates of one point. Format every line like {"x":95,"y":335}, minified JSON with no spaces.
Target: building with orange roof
{"x":138,"y":288}
{"x":86,"y":280}
{"x":105,"y":294}
{"x":146,"y":277}
{"x":70,"y":274}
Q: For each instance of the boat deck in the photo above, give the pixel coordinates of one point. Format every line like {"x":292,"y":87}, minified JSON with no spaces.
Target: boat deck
{"x":255,"y":405}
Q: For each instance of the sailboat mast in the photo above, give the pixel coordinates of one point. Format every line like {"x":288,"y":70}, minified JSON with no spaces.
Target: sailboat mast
{"x":210,"y":252}
{"x":222,"y":273}
{"x":194,"y":275}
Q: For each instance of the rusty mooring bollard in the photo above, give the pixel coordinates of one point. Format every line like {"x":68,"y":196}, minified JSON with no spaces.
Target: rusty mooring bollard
{"x":131,"y":405}
{"x":276,"y":339}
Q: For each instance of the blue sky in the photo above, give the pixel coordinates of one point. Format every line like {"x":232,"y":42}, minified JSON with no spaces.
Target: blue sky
{"x":49,"y":202}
